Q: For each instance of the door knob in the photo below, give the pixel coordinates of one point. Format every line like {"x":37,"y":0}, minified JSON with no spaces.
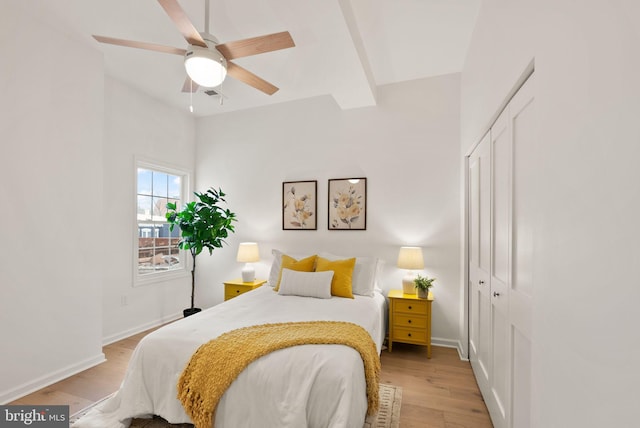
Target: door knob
{"x":496,"y":294}
{"x":481,"y":282}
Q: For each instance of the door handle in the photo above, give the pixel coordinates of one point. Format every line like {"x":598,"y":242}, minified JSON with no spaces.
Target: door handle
{"x":481,"y":282}
{"x":496,"y":294}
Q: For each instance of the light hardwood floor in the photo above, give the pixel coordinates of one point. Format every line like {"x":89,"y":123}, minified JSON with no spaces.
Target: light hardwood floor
{"x":440,"y":392}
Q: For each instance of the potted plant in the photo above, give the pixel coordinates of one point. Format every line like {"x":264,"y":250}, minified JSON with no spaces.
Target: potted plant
{"x":423,"y":284}
{"x":203,"y":224}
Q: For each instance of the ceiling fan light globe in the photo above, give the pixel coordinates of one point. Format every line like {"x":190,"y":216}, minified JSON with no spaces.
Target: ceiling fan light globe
{"x":206,"y":67}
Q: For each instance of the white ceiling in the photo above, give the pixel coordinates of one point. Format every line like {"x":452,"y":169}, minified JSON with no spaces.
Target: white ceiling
{"x":344,"y":48}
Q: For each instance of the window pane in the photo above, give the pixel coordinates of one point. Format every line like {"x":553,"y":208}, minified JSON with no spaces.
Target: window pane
{"x":144,"y":181}
{"x":145,"y":241}
{"x":164,"y":233}
{"x":174,"y":245}
{"x":160,"y":184}
{"x":175,"y":187}
{"x":144,"y":208}
{"x":159,"y":208}
{"x":144,"y":262}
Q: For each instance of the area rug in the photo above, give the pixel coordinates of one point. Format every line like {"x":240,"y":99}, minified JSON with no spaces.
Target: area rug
{"x":387,"y":417}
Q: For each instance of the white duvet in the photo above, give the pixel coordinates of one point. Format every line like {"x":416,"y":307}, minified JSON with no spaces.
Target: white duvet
{"x":303,"y":386}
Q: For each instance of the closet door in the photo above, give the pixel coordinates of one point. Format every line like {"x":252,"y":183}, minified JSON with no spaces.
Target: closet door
{"x":479,"y":261}
{"x":526,"y":167}
{"x":501,"y":185}
{"x":498,"y":401}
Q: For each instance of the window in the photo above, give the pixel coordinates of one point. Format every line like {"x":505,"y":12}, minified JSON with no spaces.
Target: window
{"x":156,"y":247}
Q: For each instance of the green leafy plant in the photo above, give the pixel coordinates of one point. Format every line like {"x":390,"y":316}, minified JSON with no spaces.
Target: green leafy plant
{"x":203,"y":224}
{"x":423,"y":282}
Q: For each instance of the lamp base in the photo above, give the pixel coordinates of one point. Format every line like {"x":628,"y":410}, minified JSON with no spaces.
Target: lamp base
{"x":248,"y":273}
{"x":408,"y":286}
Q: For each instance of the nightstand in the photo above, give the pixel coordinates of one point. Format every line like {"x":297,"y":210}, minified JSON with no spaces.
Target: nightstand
{"x":236,"y":287}
{"x":410,"y":319}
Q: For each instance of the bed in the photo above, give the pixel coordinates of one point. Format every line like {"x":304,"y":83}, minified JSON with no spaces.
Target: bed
{"x":300,"y":386}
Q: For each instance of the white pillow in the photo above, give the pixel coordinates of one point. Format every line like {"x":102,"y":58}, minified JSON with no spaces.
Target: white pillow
{"x":276,"y":265}
{"x":274,"y":273}
{"x":363,"y":280}
{"x":306,"y":284}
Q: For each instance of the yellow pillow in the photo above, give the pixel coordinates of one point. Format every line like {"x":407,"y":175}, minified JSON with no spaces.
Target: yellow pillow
{"x":342,"y":273}
{"x":302,"y":265}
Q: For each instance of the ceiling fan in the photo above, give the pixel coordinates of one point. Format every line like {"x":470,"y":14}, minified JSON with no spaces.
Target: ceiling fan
{"x":206,"y":61}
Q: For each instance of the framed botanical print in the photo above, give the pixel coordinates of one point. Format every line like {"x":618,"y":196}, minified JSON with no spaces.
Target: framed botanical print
{"x":347,"y":204}
{"x":299,"y":205}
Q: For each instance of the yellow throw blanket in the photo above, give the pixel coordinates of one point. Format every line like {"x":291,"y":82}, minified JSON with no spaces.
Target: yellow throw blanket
{"x":216,"y":364}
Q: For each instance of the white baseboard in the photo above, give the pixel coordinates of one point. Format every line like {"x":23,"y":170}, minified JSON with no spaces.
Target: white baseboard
{"x":450,"y":343}
{"x":44,"y":381}
{"x":108,"y":340}
{"x":445,"y":343}
{"x":461,"y":352}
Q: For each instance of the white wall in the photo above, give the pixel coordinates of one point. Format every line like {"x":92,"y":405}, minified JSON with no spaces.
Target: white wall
{"x":585,"y":347}
{"x":51,"y":121}
{"x":137,"y":126}
{"x":408,"y":149}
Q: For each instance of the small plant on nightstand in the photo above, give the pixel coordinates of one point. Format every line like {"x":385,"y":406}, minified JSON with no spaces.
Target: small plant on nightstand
{"x":423,"y":284}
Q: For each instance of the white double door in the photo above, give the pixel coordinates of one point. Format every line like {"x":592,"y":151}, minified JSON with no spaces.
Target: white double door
{"x":502,"y":173}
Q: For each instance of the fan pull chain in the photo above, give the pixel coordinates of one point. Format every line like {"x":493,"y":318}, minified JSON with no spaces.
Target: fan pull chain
{"x":221,"y":82}
{"x":191,"y":96}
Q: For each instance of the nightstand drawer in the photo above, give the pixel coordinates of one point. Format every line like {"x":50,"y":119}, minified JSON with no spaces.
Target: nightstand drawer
{"x":235,"y":290}
{"x":411,"y":306}
{"x":237,"y":287}
{"x":413,"y":321}
{"x":410,"y":335}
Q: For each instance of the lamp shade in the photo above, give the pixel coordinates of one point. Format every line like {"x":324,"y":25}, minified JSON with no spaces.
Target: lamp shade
{"x":248,"y":252}
{"x":410,"y":258}
{"x":205,"y":66}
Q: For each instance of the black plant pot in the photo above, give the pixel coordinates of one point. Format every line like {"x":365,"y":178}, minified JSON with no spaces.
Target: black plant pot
{"x":190,"y":311}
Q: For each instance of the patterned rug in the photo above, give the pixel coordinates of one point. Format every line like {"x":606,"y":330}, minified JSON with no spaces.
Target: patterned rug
{"x":387,"y":417}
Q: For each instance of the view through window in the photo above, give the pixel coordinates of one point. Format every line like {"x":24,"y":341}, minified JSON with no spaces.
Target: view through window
{"x":157,"y":246}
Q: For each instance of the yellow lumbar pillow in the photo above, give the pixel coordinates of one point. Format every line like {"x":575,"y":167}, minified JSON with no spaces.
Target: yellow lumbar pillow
{"x":343,"y":271}
{"x":302,"y":265}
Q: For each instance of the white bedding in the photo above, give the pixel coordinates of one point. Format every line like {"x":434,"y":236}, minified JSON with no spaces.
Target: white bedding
{"x":302,"y":386}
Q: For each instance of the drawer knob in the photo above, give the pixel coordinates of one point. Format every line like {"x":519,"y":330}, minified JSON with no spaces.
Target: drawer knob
{"x":409,"y":321}
{"x":409,"y":307}
{"x":237,"y":291}
{"x":409,"y":335}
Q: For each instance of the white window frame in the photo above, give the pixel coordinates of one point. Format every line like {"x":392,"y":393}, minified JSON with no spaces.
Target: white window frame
{"x":185,"y":263}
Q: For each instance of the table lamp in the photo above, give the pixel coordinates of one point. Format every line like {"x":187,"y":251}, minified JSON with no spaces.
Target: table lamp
{"x":248,"y":253}
{"x":410,"y":258}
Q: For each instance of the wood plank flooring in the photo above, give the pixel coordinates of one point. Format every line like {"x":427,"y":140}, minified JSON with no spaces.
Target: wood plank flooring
{"x":436,"y":393}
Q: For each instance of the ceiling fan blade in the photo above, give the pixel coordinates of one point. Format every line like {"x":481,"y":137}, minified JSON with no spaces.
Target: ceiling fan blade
{"x":140,"y":45}
{"x":183,"y":22}
{"x":189,"y":85}
{"x":250,"y":79}
{"x":256,"y":45}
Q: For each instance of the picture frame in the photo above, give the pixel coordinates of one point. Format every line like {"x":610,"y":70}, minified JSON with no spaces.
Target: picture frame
{"x":299,"y":205}
{"x":347,"y":204}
